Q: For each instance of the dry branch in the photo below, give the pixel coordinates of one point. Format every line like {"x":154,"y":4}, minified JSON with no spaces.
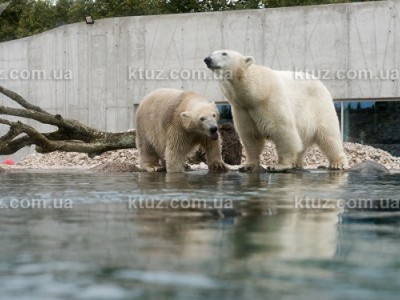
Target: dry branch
{"x":70,"y":136}
{"x":20,"y":100}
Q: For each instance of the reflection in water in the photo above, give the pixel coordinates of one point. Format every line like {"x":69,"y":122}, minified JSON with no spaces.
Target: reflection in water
{"x":261,"y":247}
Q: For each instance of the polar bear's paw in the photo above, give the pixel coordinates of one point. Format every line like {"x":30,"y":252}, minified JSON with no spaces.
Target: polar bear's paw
{"x":280,"y":168}
{"x":251,"y":168}
{"x":299,"y":166}
{"x":217,"y":166}
{"x":154,"y":169}
{"x":337,"y":165}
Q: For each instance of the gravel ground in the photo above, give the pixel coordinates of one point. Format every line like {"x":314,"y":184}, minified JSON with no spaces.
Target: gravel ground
{"x":124,"y":160}
{"x":356,"y":154}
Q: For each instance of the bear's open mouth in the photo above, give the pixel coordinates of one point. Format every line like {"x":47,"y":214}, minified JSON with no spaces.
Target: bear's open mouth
{"x":214,"y":136}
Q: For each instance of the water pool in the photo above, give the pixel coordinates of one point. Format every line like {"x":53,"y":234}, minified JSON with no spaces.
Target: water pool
{"x":69,"y":235}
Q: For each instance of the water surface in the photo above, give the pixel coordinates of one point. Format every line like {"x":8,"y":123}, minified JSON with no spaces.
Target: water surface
{"x":98,"y":236}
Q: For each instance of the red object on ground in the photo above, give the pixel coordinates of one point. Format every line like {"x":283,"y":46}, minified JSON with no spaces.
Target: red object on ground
{"x":8,"y":162}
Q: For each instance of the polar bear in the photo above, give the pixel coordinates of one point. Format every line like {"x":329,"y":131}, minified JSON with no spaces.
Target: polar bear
{"x":289,"y":108}
{"x":169,"y":124}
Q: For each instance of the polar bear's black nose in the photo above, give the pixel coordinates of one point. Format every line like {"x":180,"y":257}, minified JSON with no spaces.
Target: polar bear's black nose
{"x":213,"y":129}
{"x":208,"y":60}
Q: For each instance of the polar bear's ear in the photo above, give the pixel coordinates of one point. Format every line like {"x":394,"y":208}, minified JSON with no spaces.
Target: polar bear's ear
{"x":248,"y":60}
{"x":185,"y":115}
{"x":186,"y":118}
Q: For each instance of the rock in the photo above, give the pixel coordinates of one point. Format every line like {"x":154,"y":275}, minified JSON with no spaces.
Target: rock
{"x":369,"y":167}
{"x":198,"y":156}
{"x":356,"y":154}
{"x":231,"y":150}
{"x":231,"y":145}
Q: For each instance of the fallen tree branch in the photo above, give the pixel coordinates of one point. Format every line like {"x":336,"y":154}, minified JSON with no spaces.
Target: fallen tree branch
{"x":20,"y":100}
{"x":70,"y":136}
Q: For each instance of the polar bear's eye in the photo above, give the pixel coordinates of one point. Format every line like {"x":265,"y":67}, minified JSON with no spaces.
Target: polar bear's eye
{"x":224,"y":53}
{"x":213,"y":115}
{"x":202,"y":119}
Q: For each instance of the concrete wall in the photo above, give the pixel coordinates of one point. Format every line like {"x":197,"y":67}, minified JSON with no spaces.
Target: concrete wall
{"x":98,"y":57}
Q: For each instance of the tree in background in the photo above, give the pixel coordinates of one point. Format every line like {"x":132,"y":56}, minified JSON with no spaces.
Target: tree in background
{"x":123,"y":8}
{"x":283,"y":3}
{"x":62,"y":12}
{"x":9,"y":19}
{"x":27,"y":17}
{"x":36,"y":17}
{"x":78,"y":10}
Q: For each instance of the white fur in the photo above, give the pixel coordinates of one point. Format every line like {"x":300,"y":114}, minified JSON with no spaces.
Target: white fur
{"x":170,"y":123}
{"x":294,"y":113}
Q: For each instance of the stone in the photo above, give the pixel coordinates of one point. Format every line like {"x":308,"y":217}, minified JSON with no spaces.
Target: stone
{"x":231,"y":145}
{"x":313,"y":158}
{"x":369,"y":167}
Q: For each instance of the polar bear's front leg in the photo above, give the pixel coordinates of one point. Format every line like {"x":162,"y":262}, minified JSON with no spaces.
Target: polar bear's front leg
{"x":252,"y":141}
{"x":148,"y":157}
{"x":214,"y":158}
{"x":175,"y":157}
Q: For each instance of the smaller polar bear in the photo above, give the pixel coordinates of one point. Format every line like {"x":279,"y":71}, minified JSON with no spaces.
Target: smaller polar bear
{"x":169,"y":124}
{"x":292,"y":111}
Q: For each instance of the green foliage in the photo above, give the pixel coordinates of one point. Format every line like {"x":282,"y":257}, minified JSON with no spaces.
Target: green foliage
{"x":114,"y":8}
{"x":36,"y":17}
{"x":191,"y":6}
{"x":62,"y":9}
{"x":9,"y":19}
{"x":283,"y":3}
{"x":78,"y":10}
{"x":27,"y":17}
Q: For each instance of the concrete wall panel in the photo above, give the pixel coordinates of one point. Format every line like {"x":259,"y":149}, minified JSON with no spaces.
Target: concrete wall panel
{"x":372,"y":30}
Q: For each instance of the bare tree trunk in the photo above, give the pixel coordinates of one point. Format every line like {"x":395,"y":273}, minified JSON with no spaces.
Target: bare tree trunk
{"x":70,"y":136}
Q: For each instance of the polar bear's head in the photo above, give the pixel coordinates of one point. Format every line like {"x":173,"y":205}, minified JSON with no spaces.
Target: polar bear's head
{"x":227,"y":60}
{"x":202,"y":118}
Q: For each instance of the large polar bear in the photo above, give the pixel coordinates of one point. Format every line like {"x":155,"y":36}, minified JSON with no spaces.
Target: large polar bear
{"x":169,"y":124}
{"x":293,"y":112}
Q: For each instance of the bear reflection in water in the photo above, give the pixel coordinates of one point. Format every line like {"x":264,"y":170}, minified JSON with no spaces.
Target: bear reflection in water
{"x":260,"y":216}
